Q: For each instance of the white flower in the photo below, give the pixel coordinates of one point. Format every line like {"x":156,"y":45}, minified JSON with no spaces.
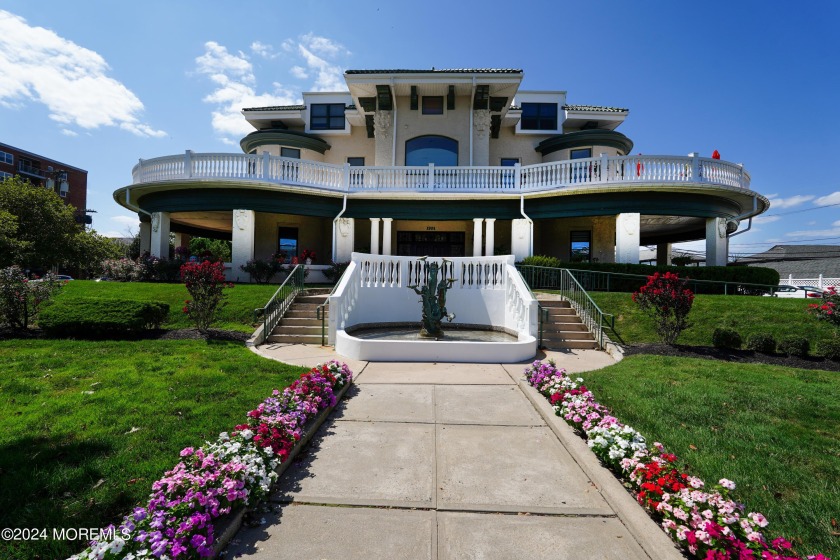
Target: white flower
{"x":726,"y":483}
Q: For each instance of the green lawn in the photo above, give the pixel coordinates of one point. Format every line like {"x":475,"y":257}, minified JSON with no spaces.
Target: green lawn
{"x":149,"y":400}
{"x":772,"y":430}
{"x":237,"y":315}
{"x":746,"y":314}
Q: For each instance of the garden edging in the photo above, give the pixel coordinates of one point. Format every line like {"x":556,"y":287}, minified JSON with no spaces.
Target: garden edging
{"x":655,"y":542}
{"x":227,"y":530}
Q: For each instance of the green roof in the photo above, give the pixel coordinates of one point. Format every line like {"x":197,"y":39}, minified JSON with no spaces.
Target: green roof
{"x":594,"y":108}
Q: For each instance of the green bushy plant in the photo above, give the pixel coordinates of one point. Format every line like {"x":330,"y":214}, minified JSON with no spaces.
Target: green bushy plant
{"x":336,"y":271}
{"x":726,"y":338}
{"x":21,"y":299}
{"x":795,"y":346}
{"x":761,"y":342}
{"x":829,"y":348}
{"x":205,"y":282}
{"x":542,"y":260}
{"x":262,"y":271}
{"x":102,"y":317}
{"x":666,"y":299}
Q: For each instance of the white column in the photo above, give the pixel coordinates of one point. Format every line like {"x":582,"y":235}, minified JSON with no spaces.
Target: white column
{"x":717,"y":244}
{"x":477,"y":236}
{"x":490,"y":237}
{"x":160,"y":235}
{"x":520,"y":239}
{"x":374,"y":236}
{"x":386,"y":235}
{"x":343,"y":239}
{"x":627,"y":228}
{"x":663,"y":254}
{"x":145,"y":237}
{"x":242,"y":246}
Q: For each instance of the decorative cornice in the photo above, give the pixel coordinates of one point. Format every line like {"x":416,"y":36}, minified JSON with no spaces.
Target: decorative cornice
{"x":595,"y":137}
{"x":289,"y":138}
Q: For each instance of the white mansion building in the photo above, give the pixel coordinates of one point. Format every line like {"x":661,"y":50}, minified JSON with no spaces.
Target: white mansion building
{"x":441,"y":163}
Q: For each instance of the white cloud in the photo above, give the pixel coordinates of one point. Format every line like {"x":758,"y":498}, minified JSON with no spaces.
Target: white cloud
{"x":835,"y":231}
{"x":112,"y":233}
{"x":766,"y":219}
{"x":38,"y":65}
{"x":833,"y":198}
{"x":299,"y":72}
{"x":233,"y":76}
{"x":796,"y":200}
{"x":236,"y":85}
{"x":263,"y":50}
{"x":68,"y":132}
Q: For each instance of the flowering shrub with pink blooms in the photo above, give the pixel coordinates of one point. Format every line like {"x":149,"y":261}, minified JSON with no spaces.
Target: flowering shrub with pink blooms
{"x":205,"y":282}
{"x":668,"y":301}
{"x":829,"y":308}
{"x":705,"y":521}
{"x":236,"y":470}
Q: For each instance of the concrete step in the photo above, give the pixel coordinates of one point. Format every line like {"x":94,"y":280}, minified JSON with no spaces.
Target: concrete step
{"x":317,"y":300}
{"x":306,"y":330}
{"x":318,"y":291}
{"x":560,"y":327}
{"x":295,"y":338}
{"x":567,"y":335}
{"x":571,"y":345}
{"x":554,"y":303}
{"x":561,"y":312}
{"x":300,"y":322}
{"x":304,"y":306}
{"x":300,"y":313}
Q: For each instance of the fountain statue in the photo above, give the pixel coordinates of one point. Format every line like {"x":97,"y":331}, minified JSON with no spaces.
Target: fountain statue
{"x":433,"y":296}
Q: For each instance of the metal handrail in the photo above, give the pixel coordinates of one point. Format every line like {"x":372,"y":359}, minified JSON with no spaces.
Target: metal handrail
{"x":562,"y":279}
{"x":599,"y":280}
{"x":279,"y":303}
{"x":319,"y":312}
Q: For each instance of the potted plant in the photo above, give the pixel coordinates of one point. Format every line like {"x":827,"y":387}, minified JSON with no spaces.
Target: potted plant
{"x":307,"y":256}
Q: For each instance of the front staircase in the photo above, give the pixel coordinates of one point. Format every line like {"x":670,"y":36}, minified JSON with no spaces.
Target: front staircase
{"x":300,"y":325}
{"x":562,"y":328}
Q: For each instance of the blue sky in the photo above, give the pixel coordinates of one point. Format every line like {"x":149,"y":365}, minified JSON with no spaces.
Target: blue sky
{"x":99,"y":84}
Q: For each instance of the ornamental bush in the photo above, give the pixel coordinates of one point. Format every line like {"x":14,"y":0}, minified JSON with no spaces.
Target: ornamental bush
{"x":21,"y":299}
{"x":829,"y":308}
{"x":336,"y":271}
{"x":794,"y":346}
{"x":666,"y":299}
{"x":262,"y":271}
{"x":123,"y":270}
{"x":829,"y":349}
{"x":761,"y":342}
{"x":101,"y":317}
{"x":205,"y":282}
{"x":726,"y":338}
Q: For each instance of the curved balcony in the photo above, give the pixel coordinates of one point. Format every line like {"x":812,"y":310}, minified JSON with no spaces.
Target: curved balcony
{"x":591,"y":172}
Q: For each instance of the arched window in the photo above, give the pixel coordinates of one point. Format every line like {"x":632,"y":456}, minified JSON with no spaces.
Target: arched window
{"x":424,"y":150}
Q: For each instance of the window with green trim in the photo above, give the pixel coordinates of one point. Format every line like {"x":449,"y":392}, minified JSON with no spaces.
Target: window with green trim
{"x":326,"y":116}
{"x":539,"y":116}
{"x":290,"y":153}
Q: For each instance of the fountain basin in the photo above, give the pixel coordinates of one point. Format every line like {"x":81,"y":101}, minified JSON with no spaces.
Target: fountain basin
{"x":401,"y":342}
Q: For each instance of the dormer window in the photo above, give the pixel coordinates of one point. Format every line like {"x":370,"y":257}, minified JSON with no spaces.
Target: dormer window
{"x":539,"y":116}
{"x":326,"y":116}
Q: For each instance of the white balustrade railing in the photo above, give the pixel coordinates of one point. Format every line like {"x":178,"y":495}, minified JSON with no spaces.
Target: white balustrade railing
{"x":485,"y":291}
{"x":672,"y":170}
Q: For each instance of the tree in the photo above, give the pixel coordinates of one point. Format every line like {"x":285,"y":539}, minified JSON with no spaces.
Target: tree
{"x":10,"y":245}
{"x":45,"y":225}
{"x":89,"y":249}
{"x":216,"y":249}
{"x":666,"y":299}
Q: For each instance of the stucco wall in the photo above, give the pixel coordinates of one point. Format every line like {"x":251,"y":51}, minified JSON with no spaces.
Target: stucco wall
{"x":509,"y":145}
{"x":357,"y":144}
{"x":274,"y":150}
{"x":561,"y":155}
{"x":453,"y":124}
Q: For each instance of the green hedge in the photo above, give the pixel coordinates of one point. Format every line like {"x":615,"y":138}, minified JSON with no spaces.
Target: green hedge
{"x":738,"y":276}
{"x":101,"y":317}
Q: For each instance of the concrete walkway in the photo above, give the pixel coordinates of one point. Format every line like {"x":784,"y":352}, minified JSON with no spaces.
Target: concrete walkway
{"x":448,"y":461}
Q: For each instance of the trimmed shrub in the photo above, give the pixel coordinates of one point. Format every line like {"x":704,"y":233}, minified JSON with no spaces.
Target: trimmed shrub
{"x":543,"y":260}
{"x":101,"y":317}
{"x":761,"y":342}
{"x":794,"y":346}
{"x":726,"y":338}
{"x":829,"y":349}
{"x":336,"y":271}
{"x":262,"y":271}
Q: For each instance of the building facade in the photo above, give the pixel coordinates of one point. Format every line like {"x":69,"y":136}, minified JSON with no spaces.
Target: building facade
{"x":67,"y":181}
{"x":440,"y":163}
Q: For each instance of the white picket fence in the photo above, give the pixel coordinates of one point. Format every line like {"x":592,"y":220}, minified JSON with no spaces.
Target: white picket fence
{"x":819,"y":282}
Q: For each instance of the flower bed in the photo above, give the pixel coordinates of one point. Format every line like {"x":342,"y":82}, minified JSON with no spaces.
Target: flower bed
{"x":210,"y":482}
{"x":704,"y":521}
